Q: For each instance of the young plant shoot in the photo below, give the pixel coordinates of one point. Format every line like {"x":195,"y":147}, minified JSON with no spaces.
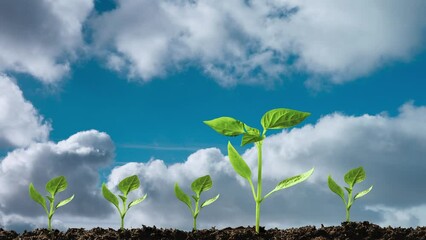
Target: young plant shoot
{"x":53,"y":186}
{"x":199,"y":185}
{"x":126,"y":185}
{"x":352,"y":177}
{"x":274,"y":119}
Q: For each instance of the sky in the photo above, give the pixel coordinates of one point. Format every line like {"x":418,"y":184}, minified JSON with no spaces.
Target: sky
{"x":100,"y":90}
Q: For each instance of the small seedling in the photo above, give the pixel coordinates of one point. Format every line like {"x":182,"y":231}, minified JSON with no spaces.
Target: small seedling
{"x":274,"y":119}
{"x":198,"y":186}
{"x":352,"y":177}
{"x":53,"y":186}
{"x":126,"y":185}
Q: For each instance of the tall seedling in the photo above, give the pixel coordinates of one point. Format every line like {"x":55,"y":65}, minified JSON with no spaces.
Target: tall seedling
{"x":274,"y":119}
{"x":53,"y":186}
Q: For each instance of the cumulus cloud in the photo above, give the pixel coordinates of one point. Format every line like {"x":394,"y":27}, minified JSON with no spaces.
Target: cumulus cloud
{"x":259,"y":42}
{"x":41,"y":37}
{"x":391,"y":149}
{"x":20,"y":123}
{"x":78,"y":158}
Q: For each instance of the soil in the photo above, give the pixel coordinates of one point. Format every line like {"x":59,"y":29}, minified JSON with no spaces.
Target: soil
{"x":347,"y":231}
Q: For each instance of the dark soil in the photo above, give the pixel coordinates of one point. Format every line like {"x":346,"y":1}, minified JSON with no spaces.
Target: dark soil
{"x":347,"y":231}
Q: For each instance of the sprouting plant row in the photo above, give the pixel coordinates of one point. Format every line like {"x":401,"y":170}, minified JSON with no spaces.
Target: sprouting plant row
{"x":128,"y":184}
{"x":274,"y":119}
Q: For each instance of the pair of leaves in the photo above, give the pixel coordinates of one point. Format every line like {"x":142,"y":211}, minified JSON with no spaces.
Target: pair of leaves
{"x":273,"y":119}
{"x":53,"y":186}
{"x":352,"y":177}
{"x":126,"y":185}
{"x":199,"y":185}
{"x":241,"y":167}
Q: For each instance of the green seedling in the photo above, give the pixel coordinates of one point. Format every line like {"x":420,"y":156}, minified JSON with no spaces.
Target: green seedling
{"x":198,"y":186}
{"x":53,"y":186}
{"x":274,"y":119}
{"x":352,"y":177}
{"x":126,"y":185}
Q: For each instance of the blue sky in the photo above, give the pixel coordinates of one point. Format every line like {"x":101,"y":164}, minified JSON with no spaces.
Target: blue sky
{"x":103,"y":91}
{"x":163,"y":118}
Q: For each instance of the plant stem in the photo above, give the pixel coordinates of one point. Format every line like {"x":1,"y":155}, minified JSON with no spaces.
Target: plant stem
{"x":122,"y":222}
{"x":124,"y":213}
{"x":347,"y":215}
{"x":259,"y":183}
{"x":196,"y":213}
{"x":348,"y":208}
{"x":257,"y":216}
{"x":49,"y":223}
{"x":49,"y":217}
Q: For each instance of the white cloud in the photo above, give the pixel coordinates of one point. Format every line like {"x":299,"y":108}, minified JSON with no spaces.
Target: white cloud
{"x":391,"y":150}
{"x":344,"y":40}
{"x":41,"y":37}
{"x":78,"y":158}
{"x":258,"y":42}
{"x":18,"y":223}
{"x":20,"y":123}
{"x":406,"y":217}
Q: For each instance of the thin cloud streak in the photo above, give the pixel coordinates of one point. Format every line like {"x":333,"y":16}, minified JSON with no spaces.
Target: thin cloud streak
{"x":157,"y":147}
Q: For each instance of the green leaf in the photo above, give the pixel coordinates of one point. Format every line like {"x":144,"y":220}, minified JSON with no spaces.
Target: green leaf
{"x":251,"y":135}
{"x":50,"y":198}
{"x":361,"y":194}
{"x":226,"y":126}
{"x":209,"y":201}
{"x":123,"y":198}
{"x":251,"y":130}
{"x":108,"y":195}
{"x":137,"y":201}
{"x":239,"y":165}
{"x":195,"y":198}
{"x":334,"y":187}
{"x":129,"y":184}
{"x":182,"y":196}
{"x":63,"y":202}
{"x":56,"y":185}
{"x":348,"y":190}
{"x":250,"y":139}
{"x":354,"y":176}
{"x":289,"y":182}
{"x":37,"y":197}
{"x":282,"y":118}
{"x":201,"y":184}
